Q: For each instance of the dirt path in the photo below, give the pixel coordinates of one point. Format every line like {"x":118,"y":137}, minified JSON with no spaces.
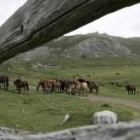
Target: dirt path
{"x":126,"y":102}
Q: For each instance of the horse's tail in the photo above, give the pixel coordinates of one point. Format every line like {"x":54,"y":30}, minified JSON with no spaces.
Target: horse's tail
{"x":97,"y":89}
{"x":134,"y":89}
{"x":38,"y":86}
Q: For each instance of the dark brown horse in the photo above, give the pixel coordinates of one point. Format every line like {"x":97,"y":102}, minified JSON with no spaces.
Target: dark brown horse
{"x":131,"y":89}
{"x":91,"y":85}
{"x":42,"y":84}
{"x":5,"y":80}
{"x":21,"y":84}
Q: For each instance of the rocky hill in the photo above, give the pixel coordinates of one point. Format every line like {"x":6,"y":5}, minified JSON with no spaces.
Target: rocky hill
{"x":86,"y":46}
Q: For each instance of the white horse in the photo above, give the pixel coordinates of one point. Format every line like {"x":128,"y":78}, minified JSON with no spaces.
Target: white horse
{"x":82,"y":88}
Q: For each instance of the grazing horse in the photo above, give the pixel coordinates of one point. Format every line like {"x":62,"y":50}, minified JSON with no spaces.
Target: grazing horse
{"x":5,"y":80}
{"x":21,"y":84}
{"x":131,"y":89}
{"x":41,"y":84}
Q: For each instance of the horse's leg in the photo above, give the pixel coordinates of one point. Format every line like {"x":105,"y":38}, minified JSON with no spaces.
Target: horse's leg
{"x":45,"y":90}
{"x":87,"y":92}
{"x":90,"y":90}
{"x":82,"y":92}
{"x":79,"y":91}
{"x":19,"y":90}
{"x":7,"y":84}
{"x":4,"y":85}
{"x":128,"y":91}
{"x":26,"y":89}
{"x":97,"y":89}
{"x":131,"y":91}
{"x":134,"y":90}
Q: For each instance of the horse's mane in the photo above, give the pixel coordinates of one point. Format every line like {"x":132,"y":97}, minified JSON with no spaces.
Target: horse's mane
{"x":81,"y":80}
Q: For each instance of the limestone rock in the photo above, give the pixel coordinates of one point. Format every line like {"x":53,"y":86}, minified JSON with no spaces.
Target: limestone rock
{"x":65,"y":119}
{"x":104,"y":117}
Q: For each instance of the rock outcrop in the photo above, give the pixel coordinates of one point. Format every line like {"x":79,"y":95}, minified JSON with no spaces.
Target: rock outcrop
{"x":84,"y":46}
{"x":104,"y":117}
{"x":40,"y":21}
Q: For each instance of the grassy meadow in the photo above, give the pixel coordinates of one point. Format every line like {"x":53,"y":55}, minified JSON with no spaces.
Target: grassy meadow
{"x":44,"y":113}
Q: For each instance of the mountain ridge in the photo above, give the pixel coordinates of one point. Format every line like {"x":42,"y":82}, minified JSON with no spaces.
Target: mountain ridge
{"x":86,"y":46}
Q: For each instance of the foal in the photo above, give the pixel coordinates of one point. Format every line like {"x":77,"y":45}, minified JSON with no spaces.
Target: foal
{"x":131,"y":89}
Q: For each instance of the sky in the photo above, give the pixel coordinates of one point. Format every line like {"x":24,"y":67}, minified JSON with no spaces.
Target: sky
{"x":124,"y":23}
{"x":8,"y":7}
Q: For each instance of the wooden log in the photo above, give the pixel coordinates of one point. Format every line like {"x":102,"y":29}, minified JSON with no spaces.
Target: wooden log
{"x":40,"y":21}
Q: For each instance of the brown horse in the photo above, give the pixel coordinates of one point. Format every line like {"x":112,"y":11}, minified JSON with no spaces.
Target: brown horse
{"x":131,"y":89}
{"x":47,"y":85}
{"x":5,"y":80}
{"x":41,"y":84}
{"x":21,"y":84}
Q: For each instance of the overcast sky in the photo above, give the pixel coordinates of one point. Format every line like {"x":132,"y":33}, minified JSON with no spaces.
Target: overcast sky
{"x":125,"y":22}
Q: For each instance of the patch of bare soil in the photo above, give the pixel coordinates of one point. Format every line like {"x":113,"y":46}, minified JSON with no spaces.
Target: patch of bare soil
{"x":125,"y":102}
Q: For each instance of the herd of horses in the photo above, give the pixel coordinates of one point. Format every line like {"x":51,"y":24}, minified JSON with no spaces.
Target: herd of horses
{"x":81,"y":86}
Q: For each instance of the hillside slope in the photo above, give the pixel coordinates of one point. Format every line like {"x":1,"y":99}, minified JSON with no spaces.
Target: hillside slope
{"x":86,"y":46}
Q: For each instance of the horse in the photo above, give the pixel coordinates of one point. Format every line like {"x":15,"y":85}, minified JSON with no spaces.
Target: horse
{"x":41,"y":84}
{"x":93,"y":85}
{"x":70,"y":87}
{"x":82,"y":88}
{"x":21,"y":84}
{"x":47,"y":85}
{"x":131,"y":89}
{"x":5,"y":80}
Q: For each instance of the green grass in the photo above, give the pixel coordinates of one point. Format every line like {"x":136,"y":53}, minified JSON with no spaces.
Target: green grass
{"x":44,"y":113}
{"x":39,"y":112}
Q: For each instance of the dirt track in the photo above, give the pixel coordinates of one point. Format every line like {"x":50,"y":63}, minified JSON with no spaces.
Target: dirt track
{"x":126,"y":102}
